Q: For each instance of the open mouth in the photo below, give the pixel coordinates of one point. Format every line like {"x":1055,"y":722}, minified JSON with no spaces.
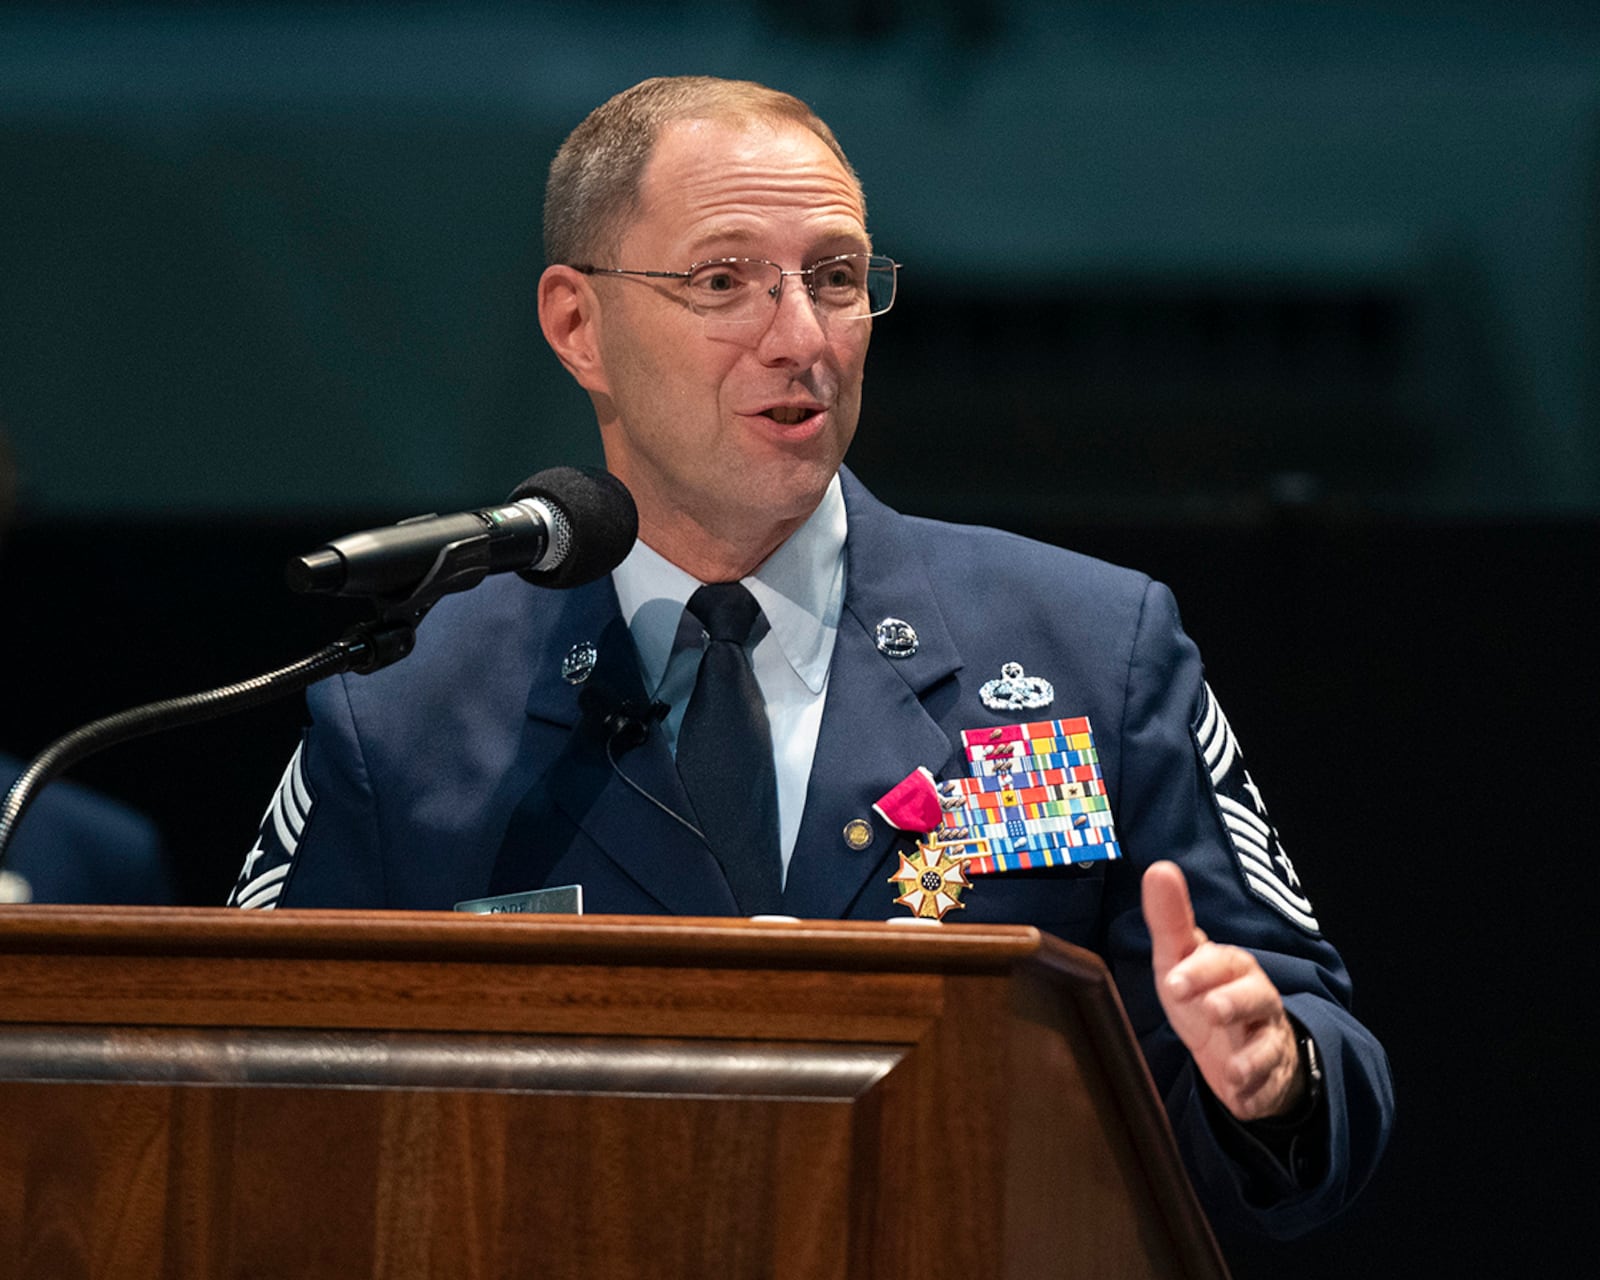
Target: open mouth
{"x":789,"y":415}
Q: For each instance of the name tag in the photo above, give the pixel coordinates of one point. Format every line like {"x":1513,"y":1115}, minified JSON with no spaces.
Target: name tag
{"x":563,"y":900}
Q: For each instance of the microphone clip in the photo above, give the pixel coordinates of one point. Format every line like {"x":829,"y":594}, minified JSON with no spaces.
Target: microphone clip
{"x":624,"y":723}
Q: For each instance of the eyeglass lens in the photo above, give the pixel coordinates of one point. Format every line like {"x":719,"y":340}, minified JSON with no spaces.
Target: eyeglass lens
{"x":736,"y":293}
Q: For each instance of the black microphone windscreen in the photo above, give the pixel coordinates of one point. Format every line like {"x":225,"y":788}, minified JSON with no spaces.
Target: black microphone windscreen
{"x":604,"y":522}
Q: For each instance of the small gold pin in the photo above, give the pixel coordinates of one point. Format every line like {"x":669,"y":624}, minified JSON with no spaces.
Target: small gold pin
{"x":858,"y":833}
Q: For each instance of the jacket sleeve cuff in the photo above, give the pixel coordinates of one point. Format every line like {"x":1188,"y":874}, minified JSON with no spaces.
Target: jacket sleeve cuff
{"x":1283,"y":1156}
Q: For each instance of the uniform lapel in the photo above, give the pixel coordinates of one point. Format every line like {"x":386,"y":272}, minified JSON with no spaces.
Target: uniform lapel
{"x":876,"y":727}
{"x":668,"y":861}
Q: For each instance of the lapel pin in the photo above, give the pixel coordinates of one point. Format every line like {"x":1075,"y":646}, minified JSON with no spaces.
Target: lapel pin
{"x":896,"y":638}
{"x":1014,"y":691}
{"x":858,"y":833}
{"x":578,"y":665}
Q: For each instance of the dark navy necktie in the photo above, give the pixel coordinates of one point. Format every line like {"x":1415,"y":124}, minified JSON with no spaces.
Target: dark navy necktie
{"x":725,"y":751}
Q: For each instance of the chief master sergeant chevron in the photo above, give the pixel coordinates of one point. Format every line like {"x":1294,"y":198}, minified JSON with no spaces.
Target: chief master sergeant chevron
{"x":712,"y":286}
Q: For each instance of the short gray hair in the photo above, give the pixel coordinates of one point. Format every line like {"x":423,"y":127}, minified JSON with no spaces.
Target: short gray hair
{"x":593,"y":188}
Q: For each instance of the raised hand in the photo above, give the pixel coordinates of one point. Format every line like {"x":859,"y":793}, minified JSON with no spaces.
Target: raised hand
{"x":1222,"y":1005}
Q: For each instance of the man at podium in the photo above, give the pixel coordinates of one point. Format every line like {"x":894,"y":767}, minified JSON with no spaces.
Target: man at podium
{"x":791,"y":700}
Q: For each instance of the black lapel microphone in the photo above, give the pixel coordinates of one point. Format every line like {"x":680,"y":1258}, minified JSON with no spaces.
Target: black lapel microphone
{"x":624,"y":723}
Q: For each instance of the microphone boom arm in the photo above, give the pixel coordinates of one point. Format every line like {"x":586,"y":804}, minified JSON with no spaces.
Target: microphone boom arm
{"x":364,"y":648}
{"x":598,"y":499}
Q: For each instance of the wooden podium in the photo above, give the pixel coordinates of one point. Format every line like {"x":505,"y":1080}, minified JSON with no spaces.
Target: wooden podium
{"x":210,"y":1093}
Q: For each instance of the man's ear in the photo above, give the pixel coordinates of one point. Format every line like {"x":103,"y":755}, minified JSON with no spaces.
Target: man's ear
{"x":569,"y":314}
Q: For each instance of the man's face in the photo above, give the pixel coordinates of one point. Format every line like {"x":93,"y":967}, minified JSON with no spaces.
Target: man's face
{"x":735,"y":438}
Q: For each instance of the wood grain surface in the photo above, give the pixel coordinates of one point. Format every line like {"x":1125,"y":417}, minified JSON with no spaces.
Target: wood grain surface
{"x":202,"y":1093}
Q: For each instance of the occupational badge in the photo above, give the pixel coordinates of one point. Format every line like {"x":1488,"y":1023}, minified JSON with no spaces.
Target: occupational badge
{"x":1016,"y":691}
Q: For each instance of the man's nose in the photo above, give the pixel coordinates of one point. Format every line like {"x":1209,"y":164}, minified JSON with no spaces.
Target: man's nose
{"x":796,"y":333}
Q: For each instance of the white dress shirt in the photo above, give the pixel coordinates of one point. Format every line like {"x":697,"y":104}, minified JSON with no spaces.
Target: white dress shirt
{"x":800,"y":588}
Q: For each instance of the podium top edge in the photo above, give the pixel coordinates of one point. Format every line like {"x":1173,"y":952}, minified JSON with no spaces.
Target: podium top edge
{"x":710,"y":940}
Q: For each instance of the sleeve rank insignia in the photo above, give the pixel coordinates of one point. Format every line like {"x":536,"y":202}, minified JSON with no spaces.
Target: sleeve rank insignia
{"x":1265,"y":867}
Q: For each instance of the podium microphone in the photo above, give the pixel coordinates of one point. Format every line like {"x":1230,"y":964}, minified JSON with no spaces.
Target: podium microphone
{"x":562,"y":527}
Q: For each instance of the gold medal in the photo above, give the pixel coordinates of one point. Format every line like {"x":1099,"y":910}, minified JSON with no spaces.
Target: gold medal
{"x":931,"y":881}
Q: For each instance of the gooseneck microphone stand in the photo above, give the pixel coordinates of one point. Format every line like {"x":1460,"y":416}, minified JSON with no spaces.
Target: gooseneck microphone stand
{"x":364,"y":648}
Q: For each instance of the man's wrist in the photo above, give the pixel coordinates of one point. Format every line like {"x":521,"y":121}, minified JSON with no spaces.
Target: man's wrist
{"x":1306,"y":1092}
{"x":1286,"y":1153}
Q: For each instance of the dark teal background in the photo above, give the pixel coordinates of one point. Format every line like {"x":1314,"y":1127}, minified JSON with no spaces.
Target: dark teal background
{"x":268,"y":258}
{"x":1295,"y":306}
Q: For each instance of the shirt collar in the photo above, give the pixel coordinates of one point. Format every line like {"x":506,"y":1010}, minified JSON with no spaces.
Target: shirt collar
{"x":800,"y":588}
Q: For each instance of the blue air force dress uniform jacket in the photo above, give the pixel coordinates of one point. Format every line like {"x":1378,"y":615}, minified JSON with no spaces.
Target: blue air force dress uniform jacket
{"x":476,"y":768}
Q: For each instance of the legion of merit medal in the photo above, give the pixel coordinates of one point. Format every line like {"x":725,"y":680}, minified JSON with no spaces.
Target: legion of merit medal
{"x":931,"y":881}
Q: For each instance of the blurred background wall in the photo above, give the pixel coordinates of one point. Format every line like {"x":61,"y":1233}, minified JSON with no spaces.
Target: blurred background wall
{"x":1294,"y":305}
{"x":1191,"y":255}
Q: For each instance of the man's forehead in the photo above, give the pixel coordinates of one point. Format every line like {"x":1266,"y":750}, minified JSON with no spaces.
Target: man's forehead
{"x":718,"y":179}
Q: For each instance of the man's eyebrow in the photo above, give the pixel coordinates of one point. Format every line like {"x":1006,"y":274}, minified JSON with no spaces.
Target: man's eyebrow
{"x":736,"y":237}
{"x":712,"y":242}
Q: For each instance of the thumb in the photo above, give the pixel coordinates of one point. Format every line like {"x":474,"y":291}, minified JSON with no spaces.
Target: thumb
{"x":1169,"y":915}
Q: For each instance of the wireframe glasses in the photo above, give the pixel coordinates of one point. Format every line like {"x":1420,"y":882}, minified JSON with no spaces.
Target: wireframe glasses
{"x":737,"y":297}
